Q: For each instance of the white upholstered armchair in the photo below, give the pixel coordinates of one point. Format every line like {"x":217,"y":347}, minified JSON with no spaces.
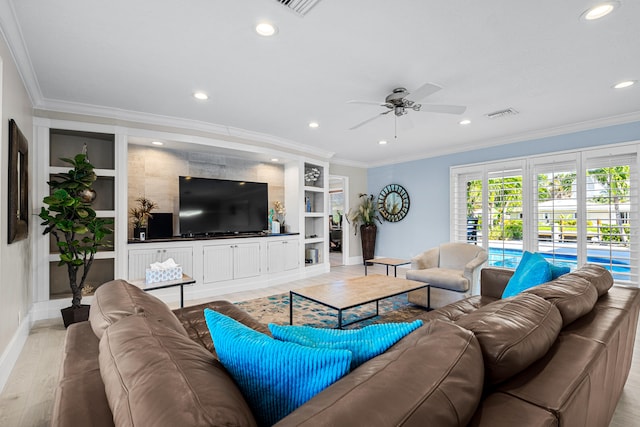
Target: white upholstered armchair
{"x":452,"y":270}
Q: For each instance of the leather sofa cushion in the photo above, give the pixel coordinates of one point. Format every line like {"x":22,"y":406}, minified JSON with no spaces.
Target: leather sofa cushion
{"x":119,"y":299}
{"x":435,"y":378}
{"x":441,"y":277}
{"x":513,"y":333}
{"x":80,"y":397}
{"x":502,"y":410}
{"x":155,"y":376}
{"x":192,"y":319}
{"x":573,"y":295}
{"x":597,"y":275}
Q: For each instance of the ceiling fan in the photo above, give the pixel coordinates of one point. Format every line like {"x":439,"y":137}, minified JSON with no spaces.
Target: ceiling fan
{"x":398,"y":103}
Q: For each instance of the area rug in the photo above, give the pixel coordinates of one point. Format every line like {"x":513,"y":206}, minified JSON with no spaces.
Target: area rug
{"x":275,"y":309}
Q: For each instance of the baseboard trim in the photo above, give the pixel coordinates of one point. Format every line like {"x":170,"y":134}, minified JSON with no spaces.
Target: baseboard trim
{"x":12,"y":353}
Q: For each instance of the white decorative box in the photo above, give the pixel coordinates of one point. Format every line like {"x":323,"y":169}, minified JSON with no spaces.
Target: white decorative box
{"x":163,"y":275}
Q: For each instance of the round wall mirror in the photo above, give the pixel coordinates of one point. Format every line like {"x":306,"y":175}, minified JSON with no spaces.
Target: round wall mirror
{"x":393,"y":202}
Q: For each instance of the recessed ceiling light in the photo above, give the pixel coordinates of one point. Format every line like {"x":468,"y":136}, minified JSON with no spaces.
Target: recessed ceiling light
{"x":201,"y":95}
{"x":382,"y":142}
{"x":600,"y":10}
{"x":266,"y":29}
{"x":624,"y":84}
{"x":157,"y":143}
{"x":465,"y":122}
{"x":274,"y":159}
{"x":313,"y":125}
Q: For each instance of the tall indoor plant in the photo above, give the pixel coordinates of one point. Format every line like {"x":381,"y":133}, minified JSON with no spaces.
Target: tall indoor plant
{"x":363,"y":217}
{"x":78,"y":232}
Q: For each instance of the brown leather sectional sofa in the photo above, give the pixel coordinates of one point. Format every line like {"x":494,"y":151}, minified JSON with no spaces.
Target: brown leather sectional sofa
{"x":558,"y":354}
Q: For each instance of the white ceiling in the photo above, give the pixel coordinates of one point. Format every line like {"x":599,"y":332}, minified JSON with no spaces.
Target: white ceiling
{"x":149,"y":57}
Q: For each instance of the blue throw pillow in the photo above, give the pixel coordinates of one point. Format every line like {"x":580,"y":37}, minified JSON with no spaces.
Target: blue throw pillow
{"x":364,"y":343}
{"x":274,"y":376}
{"x":557,"y":271}
{"x":533,"y":270}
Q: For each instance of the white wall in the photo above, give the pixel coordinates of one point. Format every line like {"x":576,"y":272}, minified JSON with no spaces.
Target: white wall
{"x":427,"y":182}
{"x":16,"y":295}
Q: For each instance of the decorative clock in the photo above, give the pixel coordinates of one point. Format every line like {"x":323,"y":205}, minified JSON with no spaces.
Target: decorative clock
{"x":393,"y":202}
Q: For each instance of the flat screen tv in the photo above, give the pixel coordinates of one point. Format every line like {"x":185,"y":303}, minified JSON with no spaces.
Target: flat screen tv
{"x":219,"y":206}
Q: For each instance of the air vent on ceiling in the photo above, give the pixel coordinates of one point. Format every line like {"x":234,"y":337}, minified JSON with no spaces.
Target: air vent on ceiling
{"x":301,"y":7}
{"x":502,"y":113}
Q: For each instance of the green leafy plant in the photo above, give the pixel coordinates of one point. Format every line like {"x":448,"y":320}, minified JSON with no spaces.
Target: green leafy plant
{"x":140,"y":214}
{"x":78,"y":232}
{"x":366,"y":213}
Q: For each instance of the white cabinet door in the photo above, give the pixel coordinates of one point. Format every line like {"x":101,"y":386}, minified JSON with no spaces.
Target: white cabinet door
{"x":140,"y":259}
{"x":291,"y":254}
{"x":283,"y":255}
{"x":218,"y":263}
{"x":276,"y":256}
{"x":246,"y":257}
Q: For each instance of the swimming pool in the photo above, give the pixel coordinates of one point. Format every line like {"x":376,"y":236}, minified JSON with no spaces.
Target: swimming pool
{"x":566,"y":257}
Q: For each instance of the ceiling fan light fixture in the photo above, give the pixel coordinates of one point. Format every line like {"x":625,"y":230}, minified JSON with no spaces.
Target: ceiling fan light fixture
{"x":600,"y":10}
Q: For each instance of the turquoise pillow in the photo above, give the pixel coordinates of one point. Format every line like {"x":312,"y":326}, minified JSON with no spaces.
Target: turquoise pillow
{"x":557,"y":271}
{"x":274,"y":376}
{"x":364,"y":343}
{"x":533,"y":270}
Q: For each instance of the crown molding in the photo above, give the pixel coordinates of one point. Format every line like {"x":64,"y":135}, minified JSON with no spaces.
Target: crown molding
{"x":12,"y":34}
{"x":180,"y":123}
{"x":350,"y":163}
{"x":520,"y":137}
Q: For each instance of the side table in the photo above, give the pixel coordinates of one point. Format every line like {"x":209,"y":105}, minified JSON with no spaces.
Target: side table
{"x":395,"y":262}
{"x":186,"y":280}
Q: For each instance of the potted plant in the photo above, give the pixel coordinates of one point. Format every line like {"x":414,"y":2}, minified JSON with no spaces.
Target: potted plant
{"x":78,"y":232}
{"x":140,"y":216}
{"x":363,"y":217}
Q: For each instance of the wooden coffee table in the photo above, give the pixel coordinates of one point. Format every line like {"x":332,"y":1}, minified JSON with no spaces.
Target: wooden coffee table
{"x":394,"y":262}
{"x":354,"y":292}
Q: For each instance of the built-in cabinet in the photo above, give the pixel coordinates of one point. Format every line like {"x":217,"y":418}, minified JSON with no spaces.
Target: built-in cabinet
{"x":218,"y":267}
{"x":283,"y":255}
{"x":230,"y":261}
{"x":101,"y":152}
{"x":315,"y":186}
{"x":141,"y":259}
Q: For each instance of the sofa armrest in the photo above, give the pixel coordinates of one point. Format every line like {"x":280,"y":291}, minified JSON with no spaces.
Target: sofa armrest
{"x":427,"y":259}
{"x":493,"y":280}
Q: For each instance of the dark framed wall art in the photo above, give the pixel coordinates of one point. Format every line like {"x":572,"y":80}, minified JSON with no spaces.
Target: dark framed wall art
{"x":18,"y":184}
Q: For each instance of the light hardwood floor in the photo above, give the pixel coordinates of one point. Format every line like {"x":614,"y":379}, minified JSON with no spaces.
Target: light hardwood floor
{"x":27,"y":398}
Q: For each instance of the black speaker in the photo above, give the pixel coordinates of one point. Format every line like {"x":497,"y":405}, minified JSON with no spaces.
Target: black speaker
{"x":160,"y":226}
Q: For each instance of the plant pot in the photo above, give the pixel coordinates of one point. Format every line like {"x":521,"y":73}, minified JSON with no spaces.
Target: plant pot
{"x":138,"y":230}
{"x":368,"y":239}
{"x":73,"y":314}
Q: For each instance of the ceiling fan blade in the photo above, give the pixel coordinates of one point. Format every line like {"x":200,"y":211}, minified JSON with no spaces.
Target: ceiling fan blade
{"x":380,"y":104}
{"x":369,"y":120}
{"x":447,"y":109}
{"x":424,"y":91}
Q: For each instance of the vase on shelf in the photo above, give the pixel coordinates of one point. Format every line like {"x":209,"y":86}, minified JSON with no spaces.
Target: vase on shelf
{"x":140,"y":233}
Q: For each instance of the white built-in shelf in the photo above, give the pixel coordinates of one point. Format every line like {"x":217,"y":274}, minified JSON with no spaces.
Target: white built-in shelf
{"x":316,"y":189}
{"x":314,"y":240}
{"x":314,"y":214}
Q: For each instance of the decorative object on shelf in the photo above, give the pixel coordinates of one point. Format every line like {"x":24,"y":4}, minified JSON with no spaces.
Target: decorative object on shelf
{"x":307,"y":204}
{"x":363,"y":217}
{"x":393,"y":202}
{"x":18,"y":222}
{"x":140,"y":215}
{"x":280,"y":213}
{"x":78,"y":231}
{"x":311,"y":174}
